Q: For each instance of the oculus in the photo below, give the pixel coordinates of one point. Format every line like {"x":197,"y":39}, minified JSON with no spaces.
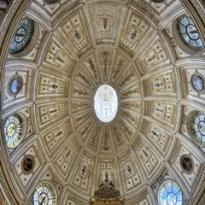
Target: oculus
{"x":189,"y":33}
{"x":198,"y":127}
{"x":44,"y":194}
{"x":16,"y":85}
{"x":197,"y":82}
{"x":22,"y":36}
{"x":186,"y":163}
{"x":28,"y":164}
{"x":170,"y":194}
{"x":13,"y":130}
{"x":105,"y":103}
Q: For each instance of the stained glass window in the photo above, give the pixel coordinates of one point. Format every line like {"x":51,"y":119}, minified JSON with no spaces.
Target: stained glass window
{"x":22,"y":36}
{"x":197,"y":82}
{"x":198,"y":127}
{"x":106,"y":103}
{"x":16,"y":84}
{"x":13,"y":130}
{"x":44,"y":195}
{"x":189,"y":33}
{"x":170,"y":194}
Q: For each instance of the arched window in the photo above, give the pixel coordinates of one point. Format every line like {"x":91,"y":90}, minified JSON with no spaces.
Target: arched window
{"x":44,"y":194}
{"x":189,"y":33}
{"x":22,"y":36}
{"x":170,"y":194}
{"x":14,"y":130}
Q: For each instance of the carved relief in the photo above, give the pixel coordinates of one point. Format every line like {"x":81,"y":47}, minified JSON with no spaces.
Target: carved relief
{"x":160,"y":85}
{"x":26,"y":178}
{"x":148,"y":159}
{"x":51,"y":85}
{"x":106,"y":21}
{"x":153,"y":57}
{"x":162,"y":111}
{"x":75,"y":30}
{"x":190,"y":176}
{"x":130,"y":174}
{"x":82,"y":178}
{"x":49,"y":112}
{"x":58,"y":57}
{"x":56,"y":136}
{"x":134,"y":31}
{"x":65,"y":159}
{"x":157,"y":135}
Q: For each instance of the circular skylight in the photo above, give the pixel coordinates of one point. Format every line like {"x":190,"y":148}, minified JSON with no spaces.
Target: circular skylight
{"x":106,"y":103}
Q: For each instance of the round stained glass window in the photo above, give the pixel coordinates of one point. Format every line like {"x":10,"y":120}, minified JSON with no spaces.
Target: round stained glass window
{"x":170,"y":194}
{"x":189,"y":33}
{"x":198,"y":127}
{"x":22,"y":36}
{"x":16,"y":85}
{"x":197,"y":82}
{"x":44,"y":195}
{"x":13,"y":130}
{"x":106,"y":103}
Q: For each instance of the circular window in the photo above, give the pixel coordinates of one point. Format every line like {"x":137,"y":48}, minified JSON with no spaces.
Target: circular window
{"x":28,"y":164}
{"x":170,"y":194}
{"x":16,"y":85}
{"x":198,"y":127}
{"x":44,"y":194}
{"x":186,"y":163}
{"x":13,"y":130}
{"x":197,"y":82}
{"x":189,"y":33}
{"x":106,"y":103}
{"x":22,"y":36}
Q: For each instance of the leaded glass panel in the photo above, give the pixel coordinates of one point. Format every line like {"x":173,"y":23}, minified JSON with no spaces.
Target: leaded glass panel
{"x":198,"y":127}
{"x":44,"y":195}
{"x":22,"y":36}
{"x":189,"y":32}
{"x":170,"y":194}
{"x":13,"y":130}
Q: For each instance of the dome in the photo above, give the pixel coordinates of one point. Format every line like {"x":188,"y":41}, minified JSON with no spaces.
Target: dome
{"x":102,"y":90}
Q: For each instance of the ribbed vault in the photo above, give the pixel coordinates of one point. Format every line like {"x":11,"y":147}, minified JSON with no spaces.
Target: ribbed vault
{"x":76,"y":46}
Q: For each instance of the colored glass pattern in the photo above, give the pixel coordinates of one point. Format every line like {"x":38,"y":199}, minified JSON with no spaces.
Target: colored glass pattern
{"x":22,"y":36}
{"x":16,"y":85}
{"x":44,"y":195}
{"x":13,"y":130}
{"x":170,"y":194}
{"x":198,"y":127}
{"x":197,"y":82}
{"x":189,"y":33}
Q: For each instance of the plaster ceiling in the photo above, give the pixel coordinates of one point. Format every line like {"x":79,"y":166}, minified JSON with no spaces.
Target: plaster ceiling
{"x":130,"y":46}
